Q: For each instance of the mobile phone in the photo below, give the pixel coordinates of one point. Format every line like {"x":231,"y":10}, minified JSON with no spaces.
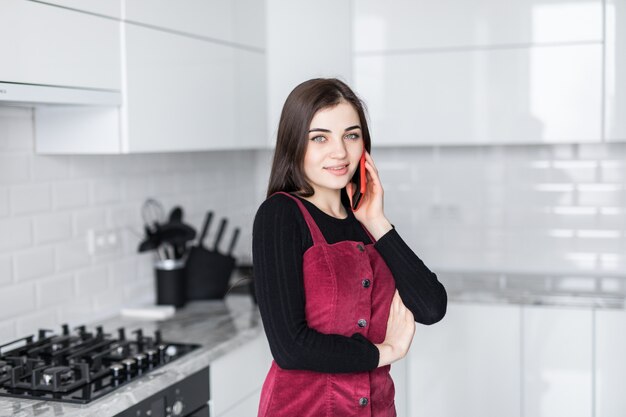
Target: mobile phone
{"x":360,"y":181}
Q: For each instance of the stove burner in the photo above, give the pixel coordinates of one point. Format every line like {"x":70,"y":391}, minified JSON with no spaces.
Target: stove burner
{"x":80,"y":366}
{"x":57,"y":375}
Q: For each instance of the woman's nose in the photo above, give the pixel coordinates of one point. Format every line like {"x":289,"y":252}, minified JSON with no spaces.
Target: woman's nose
{"x":339,"y":149}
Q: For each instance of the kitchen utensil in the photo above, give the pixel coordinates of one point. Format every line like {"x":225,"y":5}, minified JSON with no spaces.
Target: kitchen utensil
{"x":208,"y":271}
{"x":170,"y":282}
{"x":205,"y":227}
{"x":176,"y":215}
{"x":220,"y":233}
{"x":152,"y":213}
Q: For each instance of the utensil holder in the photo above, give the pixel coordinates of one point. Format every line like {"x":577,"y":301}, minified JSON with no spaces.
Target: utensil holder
{"x":170,"y":282}
{"x":208,"y":274}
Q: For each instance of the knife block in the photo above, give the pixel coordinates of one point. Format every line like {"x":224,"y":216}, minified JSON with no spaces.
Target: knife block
{"x":208,"y":274}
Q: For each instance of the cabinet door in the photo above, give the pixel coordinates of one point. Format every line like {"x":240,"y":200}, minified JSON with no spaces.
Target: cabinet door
{"x":179,"y":92}
{"x":467,"y":365}
{"x":304,"y":40}
{"x":239,"y":22}
{"x":239,"y":375}
{"x":523,"y":95}
{"x":212,"y":18}
{"x":44,"y":44}
{"x":110,"y":8}
{"x":610,"y":348}
{"x":247,"y":407}
{"x":417,"y":24}
{"x":615,"y":64}
{"x":250,"y":100}
{"x":557,"y":362}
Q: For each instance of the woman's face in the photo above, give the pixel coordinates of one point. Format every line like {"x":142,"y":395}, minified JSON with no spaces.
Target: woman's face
{"x":335,"y":145}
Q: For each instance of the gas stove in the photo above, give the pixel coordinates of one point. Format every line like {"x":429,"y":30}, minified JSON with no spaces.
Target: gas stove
{"x":80,"y":366}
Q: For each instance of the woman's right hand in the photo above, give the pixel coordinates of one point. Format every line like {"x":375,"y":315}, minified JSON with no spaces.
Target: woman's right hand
{"x":400,"y":331}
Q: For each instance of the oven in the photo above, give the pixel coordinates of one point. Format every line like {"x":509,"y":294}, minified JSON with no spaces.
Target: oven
{"x":188,"y":397}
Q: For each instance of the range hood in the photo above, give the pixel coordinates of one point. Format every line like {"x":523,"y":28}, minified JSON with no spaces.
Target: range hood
{"x":37,"y":95}
{"x":69,"y":120}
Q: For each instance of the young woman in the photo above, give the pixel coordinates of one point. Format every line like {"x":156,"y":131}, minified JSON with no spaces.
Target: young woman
{"x":339,"y":291}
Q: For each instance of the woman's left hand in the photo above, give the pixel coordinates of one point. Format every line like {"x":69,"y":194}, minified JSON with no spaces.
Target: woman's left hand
{"x":371,"y":212}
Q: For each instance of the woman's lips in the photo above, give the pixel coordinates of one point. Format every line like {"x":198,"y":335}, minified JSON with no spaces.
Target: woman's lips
{"x":338,"y":171}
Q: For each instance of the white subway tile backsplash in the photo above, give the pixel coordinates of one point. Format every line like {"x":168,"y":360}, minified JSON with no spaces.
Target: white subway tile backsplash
{"x":14,"y":169}
{"x":110,"y":300}
{"x":599,"y":197}
{"x":7,"y":331}
{"x":55,"y":290}
{"x":15,"y":233}
{"x":139,"y":293}
{"x":86,"y":219}
{"x":42,"y":319}
{"x":52,"y":227}
{"x":79,"y":311}
{"x":88,"y":166}
{"x":30,"y":198}
{"x":613,"y":171}
{"x":4,"y":201}
{"x":91,"y":281}
{"x":6,"y":270}
{"x":47,"y":168}
{"x":72,"y":254}
{"x":107,"y":191}
{"x":34,"y":262}
{"x":138,"y":188}
{"x":16,"y":300}
{"x":49,"y":203}
{"x":123,"y":272}
{"x":70,"y":194}
{"x":126,"y":215}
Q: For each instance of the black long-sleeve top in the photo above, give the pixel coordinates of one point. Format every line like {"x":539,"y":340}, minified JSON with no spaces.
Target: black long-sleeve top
{"x":280,"y":238}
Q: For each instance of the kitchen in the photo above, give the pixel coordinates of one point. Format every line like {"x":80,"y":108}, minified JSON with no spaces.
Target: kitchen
{"x":495,"y":126}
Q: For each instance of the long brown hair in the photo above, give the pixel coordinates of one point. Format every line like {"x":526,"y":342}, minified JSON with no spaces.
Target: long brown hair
{"x":301,"y":105}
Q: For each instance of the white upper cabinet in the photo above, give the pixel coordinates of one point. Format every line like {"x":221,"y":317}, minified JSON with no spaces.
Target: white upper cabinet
{"x":615,"y":92}
{"x":482,"y":71}
{"x":179,"y":92}
{"x":234,"y":21}
{"x":110,"y":8}
{"x":305,"y":40}
{"x":517,"y":95}
{"x":557,"y":358}
{"x":50,"y":45}
{"x":416,"y":24}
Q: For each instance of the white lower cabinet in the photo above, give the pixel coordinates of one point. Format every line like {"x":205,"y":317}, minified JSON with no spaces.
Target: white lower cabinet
{"x":557,"y":358}
{"x":237,"y":379}
{"x":466,"y":365}
{"x":610,"y":366}
{"x":248,"y":407}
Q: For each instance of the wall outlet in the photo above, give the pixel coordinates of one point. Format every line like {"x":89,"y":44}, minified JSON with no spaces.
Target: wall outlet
{"x":103,"y":241}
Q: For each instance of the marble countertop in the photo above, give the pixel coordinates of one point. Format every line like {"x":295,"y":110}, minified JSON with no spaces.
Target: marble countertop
{"x":219,"y":326}
{"x":565,"y":290}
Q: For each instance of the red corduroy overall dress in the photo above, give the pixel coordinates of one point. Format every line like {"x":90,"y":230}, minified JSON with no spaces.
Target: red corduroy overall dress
{"x":348,"y":289}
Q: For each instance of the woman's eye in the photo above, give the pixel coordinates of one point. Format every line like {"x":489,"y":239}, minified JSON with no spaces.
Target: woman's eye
{"x":318,"y":139}
{"x":352,"y":136}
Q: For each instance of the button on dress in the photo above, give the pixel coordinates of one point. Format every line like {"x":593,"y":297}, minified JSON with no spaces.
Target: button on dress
{"x":339,"y":300}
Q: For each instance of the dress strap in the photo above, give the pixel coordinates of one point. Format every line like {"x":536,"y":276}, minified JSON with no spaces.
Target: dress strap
{"x":316,"y":234}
